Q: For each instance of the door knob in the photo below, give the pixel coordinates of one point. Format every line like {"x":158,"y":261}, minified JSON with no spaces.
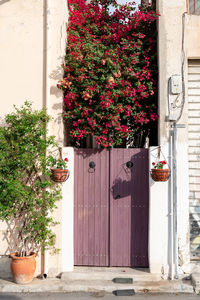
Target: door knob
{"x":129,"y":164}
{"x":92,"y":164}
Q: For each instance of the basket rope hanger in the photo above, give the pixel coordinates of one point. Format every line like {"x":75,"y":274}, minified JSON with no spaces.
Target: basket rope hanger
{"x":159,"y":155}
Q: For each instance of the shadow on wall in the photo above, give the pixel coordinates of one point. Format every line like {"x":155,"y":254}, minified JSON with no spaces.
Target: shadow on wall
{"x":9,"y":238}
{"x":3,"y":1}
{"x":5,"y":272}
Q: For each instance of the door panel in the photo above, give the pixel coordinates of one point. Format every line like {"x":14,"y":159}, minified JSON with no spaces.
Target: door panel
{"x":91,"y":207}
{"x":129,"y":194}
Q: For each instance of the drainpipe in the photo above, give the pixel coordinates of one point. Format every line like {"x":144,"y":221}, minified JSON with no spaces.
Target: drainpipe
{"x":46,"y":57}
{"x":171,"y":208}
{"x":174,"y":126}
{"x":175,"y":202}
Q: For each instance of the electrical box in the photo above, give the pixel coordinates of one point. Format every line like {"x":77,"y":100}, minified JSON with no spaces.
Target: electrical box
{"x":176,"y":84}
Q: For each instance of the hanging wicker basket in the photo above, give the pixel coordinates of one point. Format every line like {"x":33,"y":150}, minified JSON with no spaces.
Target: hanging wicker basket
{"x":59,"y":175}
{"x":160,"y":174}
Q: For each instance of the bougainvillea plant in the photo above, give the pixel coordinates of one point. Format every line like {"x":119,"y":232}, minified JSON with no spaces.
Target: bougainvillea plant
{"x":109,"y":71}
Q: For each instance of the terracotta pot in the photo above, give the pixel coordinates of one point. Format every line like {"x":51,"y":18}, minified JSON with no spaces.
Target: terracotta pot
{"x":23,"y":268}
{"x":59,"y":175}
{"x":160,"y":174}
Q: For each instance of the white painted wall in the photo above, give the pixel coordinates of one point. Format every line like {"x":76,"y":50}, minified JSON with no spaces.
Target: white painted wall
{"x":68,"y":214}
{"x":159,"y":248}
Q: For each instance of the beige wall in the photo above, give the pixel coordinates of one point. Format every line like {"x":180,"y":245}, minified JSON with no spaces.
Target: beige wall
{"x":21,"y":59}
{"x":32,"y":47}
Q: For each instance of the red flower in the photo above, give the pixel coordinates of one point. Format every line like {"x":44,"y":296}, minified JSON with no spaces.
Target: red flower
{"x":108,"y":73}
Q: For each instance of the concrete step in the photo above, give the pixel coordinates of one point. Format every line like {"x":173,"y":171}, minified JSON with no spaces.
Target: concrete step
{"x":163,"y":286}
{"x":95,"y":286}
{"x":103,"y":273}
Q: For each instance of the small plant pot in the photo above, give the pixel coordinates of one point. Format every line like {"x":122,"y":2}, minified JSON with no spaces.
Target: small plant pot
{"x":59,"y":175}
{"x":160,"y":174}
{"x":23,"y":268}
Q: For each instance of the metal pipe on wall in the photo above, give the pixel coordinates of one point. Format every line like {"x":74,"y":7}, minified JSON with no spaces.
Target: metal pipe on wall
{"x":171,"y":208}
{"x":47,"y":61}
{"x":174,"y":126}
{"x":175,"y":198}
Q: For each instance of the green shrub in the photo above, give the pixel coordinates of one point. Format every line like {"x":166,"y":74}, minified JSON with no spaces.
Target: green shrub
{"x":27,"y":194}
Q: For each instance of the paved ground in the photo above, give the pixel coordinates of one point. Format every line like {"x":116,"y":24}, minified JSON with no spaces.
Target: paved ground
{"x":93,"y":296}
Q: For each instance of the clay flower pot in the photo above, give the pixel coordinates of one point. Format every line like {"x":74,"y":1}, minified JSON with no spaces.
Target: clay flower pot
{"x":59,"y":175}
{"x":23,"y":268}
{"x":160,"y":174}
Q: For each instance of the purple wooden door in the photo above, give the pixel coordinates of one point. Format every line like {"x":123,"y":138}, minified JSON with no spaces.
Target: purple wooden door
{"x":111,"y":207}
{"x":91,"y":207}
{"x":129,"y":205}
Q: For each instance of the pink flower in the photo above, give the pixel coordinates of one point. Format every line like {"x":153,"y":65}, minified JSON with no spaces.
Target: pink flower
{"x":86,"y":95}
{"x":111,"y":80}
{"x":117,"y":74}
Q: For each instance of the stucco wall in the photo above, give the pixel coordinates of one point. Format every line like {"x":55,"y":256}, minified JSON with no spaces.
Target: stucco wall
{"x":178,"y":41}
{"x":33,"y":39}
{"x":172,"y":59}
{"x":21,"y":59}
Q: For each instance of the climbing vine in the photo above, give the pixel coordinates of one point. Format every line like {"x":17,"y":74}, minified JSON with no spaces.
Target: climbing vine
{"x":109,"y":71}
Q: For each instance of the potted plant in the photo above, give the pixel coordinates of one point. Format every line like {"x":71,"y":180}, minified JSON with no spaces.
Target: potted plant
{"x":59,"y":170}
{"x":158,"y":172}
{"x":28,"y":195}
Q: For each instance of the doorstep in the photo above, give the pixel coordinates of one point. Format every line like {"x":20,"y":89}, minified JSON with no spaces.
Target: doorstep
{"x":100,"y":280}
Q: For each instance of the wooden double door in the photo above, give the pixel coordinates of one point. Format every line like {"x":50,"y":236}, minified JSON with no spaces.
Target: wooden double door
{"x":111,"y":207}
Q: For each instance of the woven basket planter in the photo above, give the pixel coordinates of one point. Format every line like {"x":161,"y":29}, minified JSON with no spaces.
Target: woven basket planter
{"x":59,"y":175}
{"x":160,"y":174}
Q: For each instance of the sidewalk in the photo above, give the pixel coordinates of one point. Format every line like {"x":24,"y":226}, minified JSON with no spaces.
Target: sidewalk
{"x":95,"y":280}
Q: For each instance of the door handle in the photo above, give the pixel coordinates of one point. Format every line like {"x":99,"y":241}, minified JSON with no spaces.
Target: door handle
{"x":129,"y":164}
{"x":92,"y":165}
